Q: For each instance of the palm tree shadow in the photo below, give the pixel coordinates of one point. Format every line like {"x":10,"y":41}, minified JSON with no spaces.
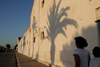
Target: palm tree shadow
{"x":55,"y":25}
{"x":66,"y":55}
{"x":24,"y":38}
{"x":34,"y":29}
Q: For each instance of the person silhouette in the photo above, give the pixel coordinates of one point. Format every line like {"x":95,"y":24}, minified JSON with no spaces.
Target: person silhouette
{"x":95,"y":62}
{"x":81,"y":55}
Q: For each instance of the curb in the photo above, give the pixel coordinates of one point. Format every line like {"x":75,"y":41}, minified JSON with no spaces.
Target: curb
{"x":18,"y":64}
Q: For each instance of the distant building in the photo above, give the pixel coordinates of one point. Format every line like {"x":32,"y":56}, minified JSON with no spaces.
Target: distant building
{"x":24,"y":43}
{"x":53,"y":26}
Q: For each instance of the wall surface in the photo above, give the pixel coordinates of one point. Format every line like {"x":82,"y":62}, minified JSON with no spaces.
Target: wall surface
{"x":24,"y":45}
{"x":61,"y":21}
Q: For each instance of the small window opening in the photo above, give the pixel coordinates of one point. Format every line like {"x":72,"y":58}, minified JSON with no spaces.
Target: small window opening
{"x":34,"y":39}
{"x":42,"y":3}
{"x":33,"y":18}
{"x":42,"y":35}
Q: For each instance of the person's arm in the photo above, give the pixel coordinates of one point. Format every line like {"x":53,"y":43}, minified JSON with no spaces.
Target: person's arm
{"x":77,"y":60}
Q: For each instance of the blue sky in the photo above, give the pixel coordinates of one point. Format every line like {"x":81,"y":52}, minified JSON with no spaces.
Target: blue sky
{"x":14,"y":20}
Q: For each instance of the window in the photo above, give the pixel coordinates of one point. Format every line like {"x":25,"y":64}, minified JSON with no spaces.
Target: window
{"x":98,"y":21}
{"x":42,"y":35}
{"x":33,"y":17}
{"x":98,"y":13}
{"x":34,"y":39}
{"x":42,"y":3}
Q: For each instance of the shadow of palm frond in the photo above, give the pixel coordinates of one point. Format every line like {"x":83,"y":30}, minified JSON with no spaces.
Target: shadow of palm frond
{"x":24,"y":38}
{"x":55,"y":25}
{"x":34,"y":30}
{"x":34,"y":25}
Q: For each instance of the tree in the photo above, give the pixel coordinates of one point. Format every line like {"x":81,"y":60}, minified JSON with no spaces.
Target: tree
{"x":8,"y":46}
{"x":15,"y":47}
{"x":2,"y":48}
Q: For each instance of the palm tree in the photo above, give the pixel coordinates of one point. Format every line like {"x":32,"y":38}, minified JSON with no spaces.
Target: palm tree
{"x":15,"y":47}
{"x":55,"y":25}
{"x":8,"y":46}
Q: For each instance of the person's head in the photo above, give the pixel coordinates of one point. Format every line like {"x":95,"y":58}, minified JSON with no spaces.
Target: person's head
{"x":96,"y":51}
{"x":80,"y":42}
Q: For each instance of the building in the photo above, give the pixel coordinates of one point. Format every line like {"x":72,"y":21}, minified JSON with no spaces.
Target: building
{"x":24,"y":43}
{"x":53,"y":26}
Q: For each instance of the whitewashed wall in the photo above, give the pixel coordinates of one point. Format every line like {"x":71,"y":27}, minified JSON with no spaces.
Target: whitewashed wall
{"x":19,"y":47}
{"x":24,"y":46}
{"x":61,"y":21}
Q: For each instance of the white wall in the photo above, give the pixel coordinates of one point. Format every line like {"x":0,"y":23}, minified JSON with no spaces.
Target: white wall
{"x":24,"y":46}
{"x":61,"y":21}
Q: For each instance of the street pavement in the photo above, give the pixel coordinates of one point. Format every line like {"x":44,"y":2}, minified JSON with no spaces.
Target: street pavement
{"x":28,"y":62}
{"x":8,"y":59}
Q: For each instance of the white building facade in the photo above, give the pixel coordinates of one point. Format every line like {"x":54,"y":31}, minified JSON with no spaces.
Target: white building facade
{"x":53,"y":27}
{"x":25,"y":43}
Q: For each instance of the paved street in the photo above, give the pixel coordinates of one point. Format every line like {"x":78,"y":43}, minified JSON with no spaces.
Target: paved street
{"x":7,"y":59}
{"x":28,"y":62}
